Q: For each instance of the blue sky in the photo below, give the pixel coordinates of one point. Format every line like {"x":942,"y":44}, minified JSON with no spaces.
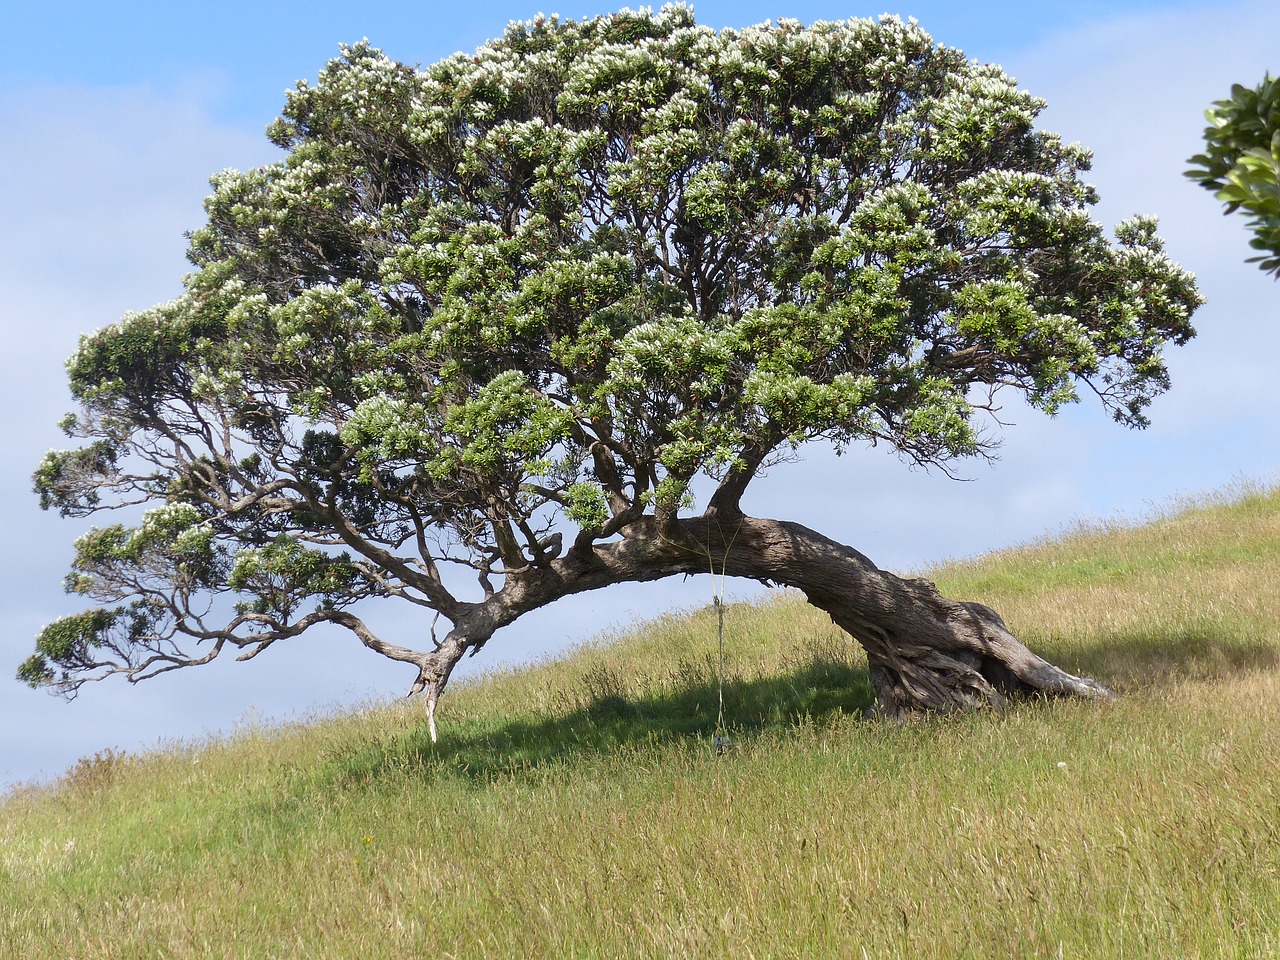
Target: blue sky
{"x":244,"y":53}
{"x":114,"y":116}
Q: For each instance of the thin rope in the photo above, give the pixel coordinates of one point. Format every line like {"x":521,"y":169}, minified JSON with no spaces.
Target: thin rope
{"x":719,"y":601}
{"x":720,"y":741}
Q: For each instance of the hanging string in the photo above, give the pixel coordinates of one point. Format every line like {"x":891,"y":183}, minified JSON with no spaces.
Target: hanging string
{"x":720,"y":740}
{"x":719,"y":601}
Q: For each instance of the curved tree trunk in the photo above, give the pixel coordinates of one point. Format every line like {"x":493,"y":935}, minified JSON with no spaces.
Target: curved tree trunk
{"x":926,"y":653}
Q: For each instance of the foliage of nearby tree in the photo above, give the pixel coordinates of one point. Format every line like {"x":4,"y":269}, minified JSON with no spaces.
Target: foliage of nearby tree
{"x":1241,"y":163}
{"x":496,"y":317}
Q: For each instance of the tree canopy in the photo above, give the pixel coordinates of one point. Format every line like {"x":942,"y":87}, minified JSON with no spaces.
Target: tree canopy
{"x":496,"y":316}
{"x":1241,"y":163}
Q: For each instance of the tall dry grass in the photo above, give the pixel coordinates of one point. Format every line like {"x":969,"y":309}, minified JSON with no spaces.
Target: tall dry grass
{"x":576,"y":809}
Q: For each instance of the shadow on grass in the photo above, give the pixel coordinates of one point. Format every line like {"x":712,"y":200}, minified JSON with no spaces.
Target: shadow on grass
{"x":604,"y":718}
{"x":1141,"y":659}
{"x":600,"y":716}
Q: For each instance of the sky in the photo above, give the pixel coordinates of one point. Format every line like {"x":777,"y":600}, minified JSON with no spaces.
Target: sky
{"x":115,"y":115}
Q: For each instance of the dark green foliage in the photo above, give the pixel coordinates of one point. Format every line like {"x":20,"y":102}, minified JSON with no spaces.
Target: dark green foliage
{"x":70,"y":479}
{"x":85,"y":641}
{"x":1241,"y":163}
{"x":283,"y":574}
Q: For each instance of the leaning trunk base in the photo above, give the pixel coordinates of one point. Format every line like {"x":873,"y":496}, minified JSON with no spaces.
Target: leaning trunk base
{"x":915,"y":678}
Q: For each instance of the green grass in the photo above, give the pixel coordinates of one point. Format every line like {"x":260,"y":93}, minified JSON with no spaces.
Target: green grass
{"x":577,"y":809}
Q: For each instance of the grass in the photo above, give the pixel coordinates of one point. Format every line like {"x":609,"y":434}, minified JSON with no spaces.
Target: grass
{"x":576,"y":808}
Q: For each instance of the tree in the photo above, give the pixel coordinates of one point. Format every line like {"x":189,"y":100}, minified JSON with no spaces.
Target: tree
{"x":497,"y":316}
{"x":1241,"y":163}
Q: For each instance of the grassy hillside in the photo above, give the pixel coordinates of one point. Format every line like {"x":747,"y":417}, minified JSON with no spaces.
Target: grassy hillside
{"x":577,"y":809}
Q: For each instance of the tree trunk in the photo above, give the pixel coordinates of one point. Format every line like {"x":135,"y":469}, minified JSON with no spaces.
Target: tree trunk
{"x":926,"y":653}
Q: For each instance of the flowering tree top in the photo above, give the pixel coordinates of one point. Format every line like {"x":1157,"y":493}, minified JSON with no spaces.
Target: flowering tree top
{"x":499,"y":313}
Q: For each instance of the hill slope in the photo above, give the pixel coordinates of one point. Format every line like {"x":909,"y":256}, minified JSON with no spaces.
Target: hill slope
{"x":577,"y":809}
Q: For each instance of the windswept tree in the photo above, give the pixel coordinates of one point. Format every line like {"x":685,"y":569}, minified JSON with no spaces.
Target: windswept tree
{"x":1241,"y":163}
{"x":502,"y":316}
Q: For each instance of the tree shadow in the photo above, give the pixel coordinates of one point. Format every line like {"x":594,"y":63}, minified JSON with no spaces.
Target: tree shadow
{"x":606,"y":719}
{"x":1142,"y":659}
{"x":599,"y":715}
